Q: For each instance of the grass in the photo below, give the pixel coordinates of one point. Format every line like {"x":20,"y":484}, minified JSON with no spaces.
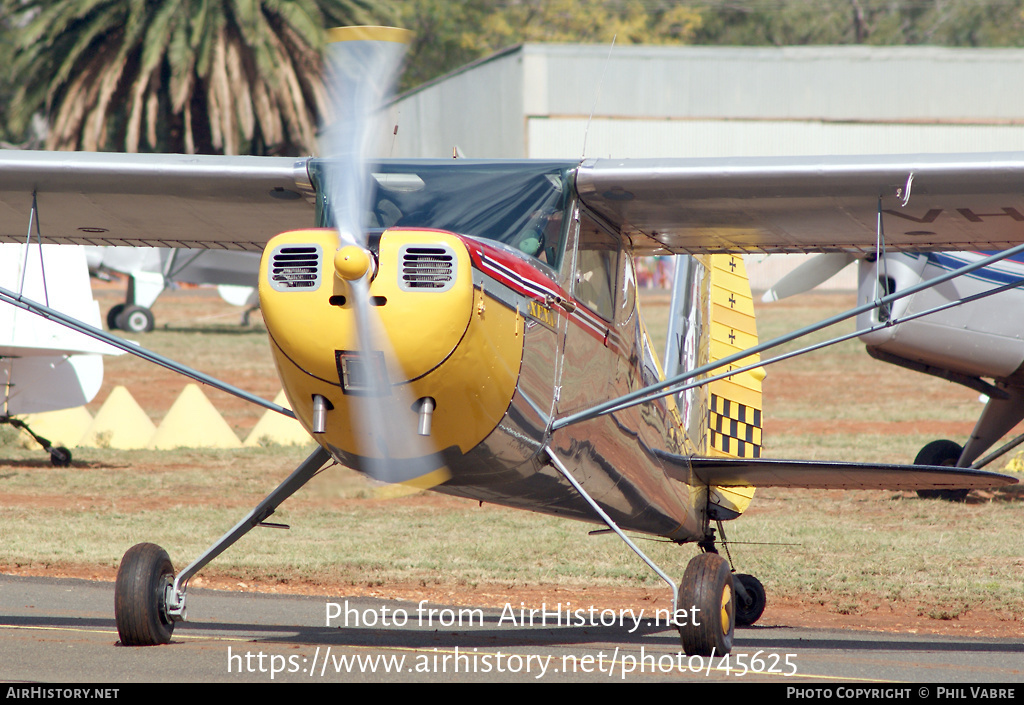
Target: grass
{"x":848,"y":551}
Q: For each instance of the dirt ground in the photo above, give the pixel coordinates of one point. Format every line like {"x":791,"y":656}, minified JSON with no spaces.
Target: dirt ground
{"x":155,"y":391}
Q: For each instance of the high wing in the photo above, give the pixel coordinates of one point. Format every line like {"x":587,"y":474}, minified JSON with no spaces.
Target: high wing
{"x":160,"y":200}
{"x":803,"y":204}
{"x":801,"y":474}
{"x":929,"y":202}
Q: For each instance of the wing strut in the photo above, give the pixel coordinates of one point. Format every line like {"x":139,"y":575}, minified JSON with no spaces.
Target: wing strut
{"x":832,"y":341}
{"x":74,"y":324}
{"x":675,"y":384}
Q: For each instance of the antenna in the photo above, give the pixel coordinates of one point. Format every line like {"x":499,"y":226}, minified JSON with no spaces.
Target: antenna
{"x":597,"y":97}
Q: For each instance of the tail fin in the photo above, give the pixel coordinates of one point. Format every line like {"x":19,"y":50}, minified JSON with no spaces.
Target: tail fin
{"x":712,"y":317}
{"x":734,"y":403}
{"x":734,"y":409}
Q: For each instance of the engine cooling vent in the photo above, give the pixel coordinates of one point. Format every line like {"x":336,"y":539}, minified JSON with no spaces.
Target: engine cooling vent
{"x":426,"y":268}
{"x":295,"y":268}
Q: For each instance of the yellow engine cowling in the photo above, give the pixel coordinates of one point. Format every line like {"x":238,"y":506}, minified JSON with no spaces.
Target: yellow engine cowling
{"x":435,"y":338}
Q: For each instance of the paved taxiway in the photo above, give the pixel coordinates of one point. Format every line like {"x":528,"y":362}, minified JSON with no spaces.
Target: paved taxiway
{"x":63,"y":631}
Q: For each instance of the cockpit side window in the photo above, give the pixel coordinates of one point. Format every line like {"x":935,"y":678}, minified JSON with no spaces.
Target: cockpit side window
{"x":596,"y":268}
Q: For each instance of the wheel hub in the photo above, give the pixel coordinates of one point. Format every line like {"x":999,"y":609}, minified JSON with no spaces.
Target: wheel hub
{"x":726,"y":600}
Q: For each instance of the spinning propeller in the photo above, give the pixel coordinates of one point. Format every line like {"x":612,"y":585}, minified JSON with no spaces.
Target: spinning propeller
{"x":390,"y":428}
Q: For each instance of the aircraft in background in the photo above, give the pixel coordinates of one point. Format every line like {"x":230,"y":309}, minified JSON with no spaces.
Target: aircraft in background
{"x":978,"y":344}
{"x":472,"y":326}
{"x":43,"y":365}
{"x":152,"y":270}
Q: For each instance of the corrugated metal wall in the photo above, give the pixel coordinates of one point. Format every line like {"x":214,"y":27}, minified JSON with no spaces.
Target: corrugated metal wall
{"x":830,"y":83}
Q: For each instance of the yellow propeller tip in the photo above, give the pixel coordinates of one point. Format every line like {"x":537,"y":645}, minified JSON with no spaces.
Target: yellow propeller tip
{"x":369,"y":33}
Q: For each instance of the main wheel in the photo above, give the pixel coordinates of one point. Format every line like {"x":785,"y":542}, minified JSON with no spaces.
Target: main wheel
{"x":749,"y":611}
{"x":945,"y":453}
{"x":136,"y":319}
{"x":112,"y":315}
{"x":139,"y":601}
{"x":707,"y":587}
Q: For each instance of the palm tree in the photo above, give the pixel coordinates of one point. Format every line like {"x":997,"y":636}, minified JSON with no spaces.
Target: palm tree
{"x":192,"y":76}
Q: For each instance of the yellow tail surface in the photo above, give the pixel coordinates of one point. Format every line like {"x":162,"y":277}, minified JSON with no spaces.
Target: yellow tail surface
{"x":734,"y":407}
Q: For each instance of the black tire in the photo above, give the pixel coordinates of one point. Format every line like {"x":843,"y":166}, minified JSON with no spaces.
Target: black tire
{"x":139,"y":603}
{"x":60,"y":457}
{"x":707,"y":586}
{"x":748,"y":613}
{"x":112,"y":315}
{"x":136,"y":319}
{"x":945,"y":453}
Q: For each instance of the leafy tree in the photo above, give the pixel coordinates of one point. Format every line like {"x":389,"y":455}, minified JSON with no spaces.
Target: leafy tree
{"x":878,"y":22}
{"x":589,"y":21}
{"x":444,"y":36}
{"x":209,"y":76}
{"x":6,"y":84}
{"x":243,"y":75}
{"x":450,"y":35}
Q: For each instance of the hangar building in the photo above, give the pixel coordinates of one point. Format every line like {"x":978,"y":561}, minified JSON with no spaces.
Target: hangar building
{"x":570,"y":101}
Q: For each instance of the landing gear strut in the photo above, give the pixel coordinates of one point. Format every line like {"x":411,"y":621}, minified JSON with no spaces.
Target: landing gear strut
{"x":751,"y":598}
{"x":59,"y":455}
{"x":149,"y":598}
{"x":713,"y":598}
{"x":722,"y":600}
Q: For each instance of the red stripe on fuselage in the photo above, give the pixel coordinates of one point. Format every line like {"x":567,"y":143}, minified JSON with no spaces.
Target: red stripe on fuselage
{"x":523,"y":278}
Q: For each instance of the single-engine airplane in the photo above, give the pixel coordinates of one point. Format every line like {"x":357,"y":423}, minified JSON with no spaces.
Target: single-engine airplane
{"x":480,"y":333}
{"x":44,"y":366}
{"x":152,"y":270}
{"x":968,"y":344}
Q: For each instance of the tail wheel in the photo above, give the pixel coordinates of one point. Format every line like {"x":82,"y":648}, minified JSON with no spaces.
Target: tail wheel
{"x":139,"y":596}
{"x":945,"y":453}
{"x":706,"y":594}
{"x":749,"y":611}
{"x":60,"y":457}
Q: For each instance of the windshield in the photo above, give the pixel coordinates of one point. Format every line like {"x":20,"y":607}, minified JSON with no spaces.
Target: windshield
{"x":518,"y":203}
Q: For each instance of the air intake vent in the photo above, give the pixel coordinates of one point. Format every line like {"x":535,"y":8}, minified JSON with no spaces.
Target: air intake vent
{"x":295,"y":268}
{"x":426,"y":268}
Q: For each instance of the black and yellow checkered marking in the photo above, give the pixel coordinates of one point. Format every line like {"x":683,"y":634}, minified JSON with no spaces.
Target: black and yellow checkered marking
{"x":729,"y":409}
{"x":735,"y":429}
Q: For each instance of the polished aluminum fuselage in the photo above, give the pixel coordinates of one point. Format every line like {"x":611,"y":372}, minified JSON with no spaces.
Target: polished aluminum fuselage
{"x":572,"y":360}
